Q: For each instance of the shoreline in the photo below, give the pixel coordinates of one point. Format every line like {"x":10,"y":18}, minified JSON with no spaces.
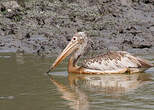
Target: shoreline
{"x":45,"y":27}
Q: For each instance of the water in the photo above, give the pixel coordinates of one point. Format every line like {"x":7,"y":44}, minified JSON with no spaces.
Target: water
{"x":25,"y":86}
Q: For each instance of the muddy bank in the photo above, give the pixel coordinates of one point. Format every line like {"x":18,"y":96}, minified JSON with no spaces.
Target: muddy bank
{"x":45,"y":27}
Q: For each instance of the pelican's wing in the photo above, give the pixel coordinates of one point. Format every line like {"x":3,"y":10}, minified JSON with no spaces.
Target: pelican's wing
{"x":113,"y":61}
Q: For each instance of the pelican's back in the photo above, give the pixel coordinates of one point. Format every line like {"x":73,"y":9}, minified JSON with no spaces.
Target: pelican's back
{"x":115,"y":61}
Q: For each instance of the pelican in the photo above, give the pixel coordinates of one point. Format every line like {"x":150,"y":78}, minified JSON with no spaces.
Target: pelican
{"x":111,"y":62}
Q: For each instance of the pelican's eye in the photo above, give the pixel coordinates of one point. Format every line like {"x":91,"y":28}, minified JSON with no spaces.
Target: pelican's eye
{"x":74,"y":38}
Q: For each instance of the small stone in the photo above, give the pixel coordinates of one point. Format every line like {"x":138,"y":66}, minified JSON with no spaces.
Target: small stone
{"x":152,"y":28}
{"x":11,"y":5}
{"x":126,"y":2}
{"x":9,"y":10}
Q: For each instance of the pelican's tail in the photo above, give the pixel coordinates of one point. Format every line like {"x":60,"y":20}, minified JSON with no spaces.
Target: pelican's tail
{"x":145,"y":63}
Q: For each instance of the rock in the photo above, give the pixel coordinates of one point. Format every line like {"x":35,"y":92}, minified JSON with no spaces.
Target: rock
{"x":126,"y":2}
{"x":10,"y":5}
{"x":152,"y":28}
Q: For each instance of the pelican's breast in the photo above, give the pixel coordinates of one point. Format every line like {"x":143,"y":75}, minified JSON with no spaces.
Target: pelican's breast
{"x":112,"y":61}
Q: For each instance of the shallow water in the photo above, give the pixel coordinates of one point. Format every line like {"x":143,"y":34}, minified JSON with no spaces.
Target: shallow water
{"x":25,"y":86}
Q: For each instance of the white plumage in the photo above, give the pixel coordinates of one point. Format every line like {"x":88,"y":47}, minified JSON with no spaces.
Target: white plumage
{"x":115,"y":61}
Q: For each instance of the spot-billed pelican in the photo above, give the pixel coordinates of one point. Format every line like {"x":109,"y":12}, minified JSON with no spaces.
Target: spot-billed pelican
{"x":111,"y":62}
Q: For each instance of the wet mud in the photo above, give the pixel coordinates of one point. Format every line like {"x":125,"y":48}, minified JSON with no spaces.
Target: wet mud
{"x":44,"y":27}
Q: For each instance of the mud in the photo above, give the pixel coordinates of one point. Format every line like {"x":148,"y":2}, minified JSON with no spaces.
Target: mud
{"x":44,"y":27}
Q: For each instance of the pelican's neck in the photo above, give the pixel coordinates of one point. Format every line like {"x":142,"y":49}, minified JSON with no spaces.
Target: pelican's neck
{"x":80,"y":51}
{"x":72,"y":64}
{"x":74,"y":58}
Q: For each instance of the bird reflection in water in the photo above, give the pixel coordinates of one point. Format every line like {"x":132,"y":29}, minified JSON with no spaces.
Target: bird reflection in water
{"x":108,"y":84}
{"x":78,"y":99}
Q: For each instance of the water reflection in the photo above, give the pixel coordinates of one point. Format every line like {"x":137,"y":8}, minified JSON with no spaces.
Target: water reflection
{"x":78,"y":99}
{"x":108,"y":84}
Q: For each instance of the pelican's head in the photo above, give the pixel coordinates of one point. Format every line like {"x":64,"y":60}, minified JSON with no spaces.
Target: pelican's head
{"x":76,"y":45}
